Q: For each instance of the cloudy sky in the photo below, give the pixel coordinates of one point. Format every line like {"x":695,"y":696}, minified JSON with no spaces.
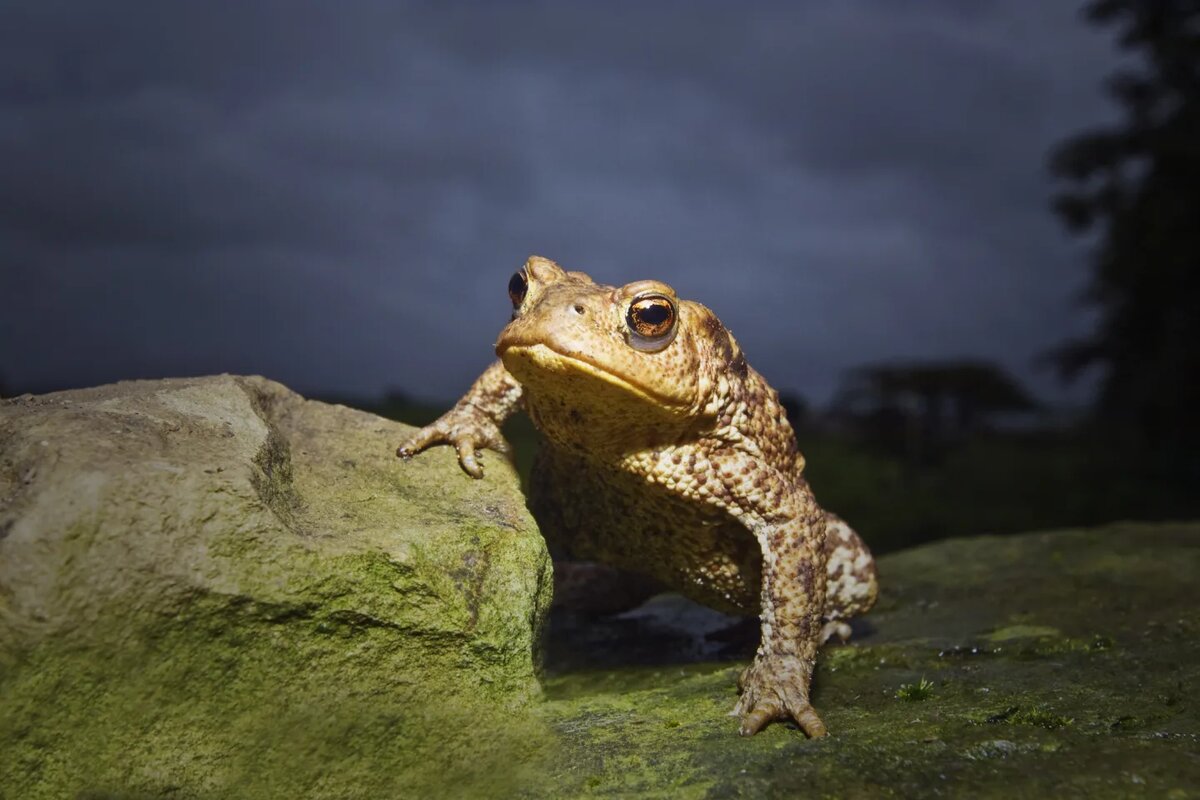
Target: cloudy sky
{"x":335,"y":195}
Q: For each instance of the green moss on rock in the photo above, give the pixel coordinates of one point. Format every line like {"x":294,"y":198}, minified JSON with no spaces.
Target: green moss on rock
{"x":1063,"y":664}
{"x":214,"y":588}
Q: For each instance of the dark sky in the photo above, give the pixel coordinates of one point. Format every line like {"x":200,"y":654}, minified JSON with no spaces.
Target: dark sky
{"x":335,"y":194}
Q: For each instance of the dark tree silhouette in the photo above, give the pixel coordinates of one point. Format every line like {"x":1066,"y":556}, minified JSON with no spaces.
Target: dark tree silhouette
{"x":1137,"y":185}
{"x":917,"y":409}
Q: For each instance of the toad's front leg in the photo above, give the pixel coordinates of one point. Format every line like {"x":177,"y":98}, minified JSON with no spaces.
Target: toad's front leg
{"x":474,"y":422}
{"x":776,"y":684}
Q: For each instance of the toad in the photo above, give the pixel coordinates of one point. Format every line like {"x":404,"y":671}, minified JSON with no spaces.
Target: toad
{"x":665,"y":453}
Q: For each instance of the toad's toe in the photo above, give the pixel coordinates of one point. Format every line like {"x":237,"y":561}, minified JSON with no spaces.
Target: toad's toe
{"x":776,"y":688}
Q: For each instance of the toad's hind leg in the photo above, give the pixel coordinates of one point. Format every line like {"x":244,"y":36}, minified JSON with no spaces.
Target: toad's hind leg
{"x":852,"y":583}
{"x":776,"y":684}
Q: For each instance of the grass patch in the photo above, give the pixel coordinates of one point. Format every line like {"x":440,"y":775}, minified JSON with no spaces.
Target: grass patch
{"x":915,"y":692}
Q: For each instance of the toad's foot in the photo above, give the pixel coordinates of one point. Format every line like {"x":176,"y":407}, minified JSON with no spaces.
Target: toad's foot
{"x":836,"y":628}
{"x":774,"y":688}
{"x":465,"y":427}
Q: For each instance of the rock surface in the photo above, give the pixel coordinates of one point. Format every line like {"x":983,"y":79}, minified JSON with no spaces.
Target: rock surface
{"x":212,"y":588}
{"x":1062,"y":664}
{"x":215,"y":588}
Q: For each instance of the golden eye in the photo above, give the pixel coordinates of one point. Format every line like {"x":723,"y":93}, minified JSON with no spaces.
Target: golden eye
{"x":517,"y":286}
{"x":651,"y":320}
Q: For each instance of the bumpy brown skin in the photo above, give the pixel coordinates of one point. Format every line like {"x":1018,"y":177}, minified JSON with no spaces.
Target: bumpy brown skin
{"x":677,"y":462}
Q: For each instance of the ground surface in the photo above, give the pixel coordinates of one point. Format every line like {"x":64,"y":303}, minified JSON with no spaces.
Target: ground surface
{"x":1043,"y":665}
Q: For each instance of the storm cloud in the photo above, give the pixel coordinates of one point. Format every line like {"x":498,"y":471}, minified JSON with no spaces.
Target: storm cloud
{"x":335,"y":195}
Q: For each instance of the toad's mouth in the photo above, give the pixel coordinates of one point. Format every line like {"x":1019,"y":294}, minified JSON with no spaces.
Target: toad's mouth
{"x":532,"y":364}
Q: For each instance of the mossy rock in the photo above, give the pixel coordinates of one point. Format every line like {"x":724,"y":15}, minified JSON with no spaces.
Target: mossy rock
{"x":1063,"y":664}
{"x":215,"y":588}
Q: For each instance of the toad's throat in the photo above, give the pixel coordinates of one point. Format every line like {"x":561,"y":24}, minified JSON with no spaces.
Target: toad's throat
{"x":535,"y":364}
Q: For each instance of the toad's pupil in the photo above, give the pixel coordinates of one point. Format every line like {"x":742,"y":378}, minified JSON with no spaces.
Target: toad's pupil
{"x":655,"y":314}
{"x":516,"y":288}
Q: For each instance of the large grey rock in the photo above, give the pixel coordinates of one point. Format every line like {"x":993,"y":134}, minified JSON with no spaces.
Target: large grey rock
{"x":214,"y":588}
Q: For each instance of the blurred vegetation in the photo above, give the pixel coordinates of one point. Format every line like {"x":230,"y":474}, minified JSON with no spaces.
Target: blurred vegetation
{"x":920,"y":409}
{"x":914,"y":452}
{"x":991,"y":483}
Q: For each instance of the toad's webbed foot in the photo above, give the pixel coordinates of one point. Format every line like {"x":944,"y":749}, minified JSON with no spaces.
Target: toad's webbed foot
{"x":775,"y":687}
{"x":465,"y":427}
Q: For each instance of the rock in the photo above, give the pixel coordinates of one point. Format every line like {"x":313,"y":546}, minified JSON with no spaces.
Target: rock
{"x":214,"y":588}
{"x":1062,"y":664}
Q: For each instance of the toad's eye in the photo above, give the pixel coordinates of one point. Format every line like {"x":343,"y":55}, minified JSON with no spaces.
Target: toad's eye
{"x":651,"y":320}
{"x":517,"y":286}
